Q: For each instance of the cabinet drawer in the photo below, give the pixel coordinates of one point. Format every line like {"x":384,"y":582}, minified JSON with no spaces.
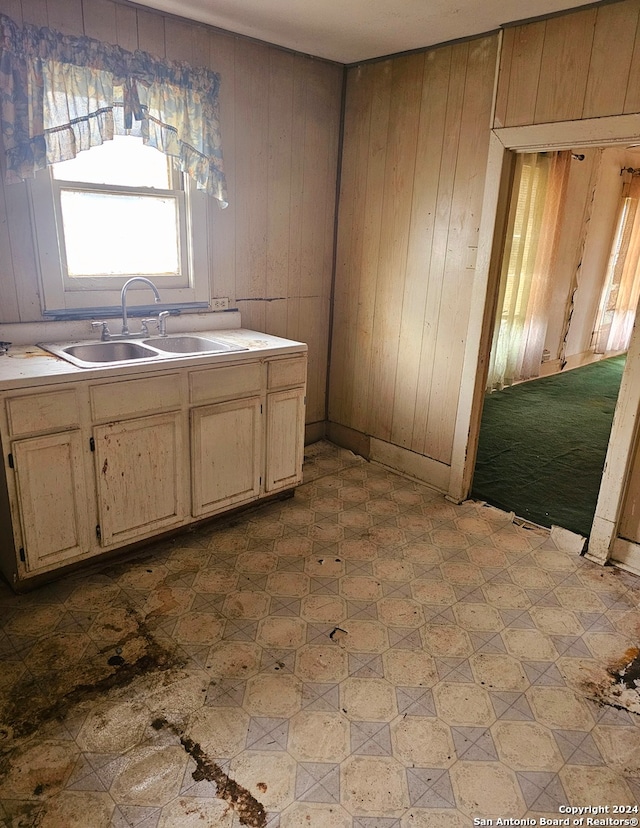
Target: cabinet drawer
{"x":49,"y":411}
{"x":216,"y":384}
{"x":286,"y":372}
{"x":132,"y":398}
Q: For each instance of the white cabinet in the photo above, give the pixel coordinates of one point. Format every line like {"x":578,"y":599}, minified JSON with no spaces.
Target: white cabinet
{"x":51,"y":490}
{"x":139,"y":473}
{"x":226,"y":443}
{"x":285,"y":417}
{"x":97,"y":464}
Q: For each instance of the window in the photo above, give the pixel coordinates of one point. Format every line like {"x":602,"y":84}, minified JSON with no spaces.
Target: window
{"x":115,"y":211}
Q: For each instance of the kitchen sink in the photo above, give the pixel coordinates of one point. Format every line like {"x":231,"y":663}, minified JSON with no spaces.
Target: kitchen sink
{"x":101,"y":354}
{"x":189,"y":345}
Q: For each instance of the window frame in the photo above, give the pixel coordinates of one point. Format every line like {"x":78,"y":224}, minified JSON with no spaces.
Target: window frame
{"x":64,"y":296}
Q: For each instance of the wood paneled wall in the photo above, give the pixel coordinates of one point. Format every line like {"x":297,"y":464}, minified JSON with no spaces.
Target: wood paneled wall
{"x":272,"y":248}
{"x":414,"y":160}
{"x":585,"y":64}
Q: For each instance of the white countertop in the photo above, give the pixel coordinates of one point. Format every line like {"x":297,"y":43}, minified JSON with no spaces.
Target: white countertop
{"x":27,"y":365}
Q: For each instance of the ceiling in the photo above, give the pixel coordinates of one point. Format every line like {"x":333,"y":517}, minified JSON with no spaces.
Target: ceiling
{"x":349,"y":31}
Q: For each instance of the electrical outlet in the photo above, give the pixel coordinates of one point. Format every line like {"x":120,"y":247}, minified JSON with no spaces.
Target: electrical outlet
{"x":220,"y":304}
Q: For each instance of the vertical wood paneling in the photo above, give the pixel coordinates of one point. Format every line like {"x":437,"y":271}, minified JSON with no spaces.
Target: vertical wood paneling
{"x":8,"y":296}
{"x":280,"y":148}
{"x":66,"y":16}
{"x":178,"y":38}
{"x":525,"y":71}
{"x":350,"y":235}
{"x":272,"y":247}
{"x":126,"y":27}
{"x":252,"y":113}
{"x":415,"y":362}
{"x":397,"y":195}
{"x":22,"y":251}
{"x":462,"y":242}
{"x":632,"y":98}
{"x":564,"y":68}
{"x":319,"y":151}
{"x":369,"y":253}
{"x":611,"y":56}
{"x":313,"y":315}
{"x":33,"y":11}
{"x":100,"y":20}
{"x":13,"y":8}
{"x":584,"y":64}
{"x":415,"y":141}
{"x":276,"y":317}
{"x":426,"y":429}
{"x":201,"y":39}
{"x":296,"y":178}
{"x":222,"y":223}
{"x":151,"y":32}
{"x":332,"y":92}
{"x":504,"y":74}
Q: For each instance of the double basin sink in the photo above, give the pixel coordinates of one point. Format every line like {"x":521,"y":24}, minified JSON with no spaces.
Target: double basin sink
{"x":101,"y":354}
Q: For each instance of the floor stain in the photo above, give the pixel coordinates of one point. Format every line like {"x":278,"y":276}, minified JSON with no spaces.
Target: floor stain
{"x":619,"y":685}
{"x":54,"y":693}
{"x":250,"y":812}
{"x":629,"y":673}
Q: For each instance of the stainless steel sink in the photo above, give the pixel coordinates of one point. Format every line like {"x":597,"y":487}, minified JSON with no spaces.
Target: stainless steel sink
{"x":96,"y":354}
{"x":101,"y":354}
{"x":189,"y":345}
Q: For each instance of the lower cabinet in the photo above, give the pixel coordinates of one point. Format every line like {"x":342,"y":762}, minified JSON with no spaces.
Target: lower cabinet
{"x":285,"y":418}
{"x":51,"y":488}
{"x":140,"y":476}
{"x":226,"y":455}
{"x":93,"y":465}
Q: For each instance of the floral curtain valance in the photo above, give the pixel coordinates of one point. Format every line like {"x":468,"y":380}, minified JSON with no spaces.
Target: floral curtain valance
{"x":61,"y":94}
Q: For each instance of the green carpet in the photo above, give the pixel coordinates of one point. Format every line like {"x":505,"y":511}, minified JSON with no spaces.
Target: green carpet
{"x":543,"y":444}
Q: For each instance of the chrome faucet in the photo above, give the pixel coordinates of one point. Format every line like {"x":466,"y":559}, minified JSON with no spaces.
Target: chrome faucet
{"x":123,"y":298}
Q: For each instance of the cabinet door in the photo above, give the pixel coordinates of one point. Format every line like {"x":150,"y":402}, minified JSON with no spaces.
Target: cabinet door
{"x":140,"y":479}
{"x":285,"y":439}
{"x":53,"y":499}
{"x":226,"y":454}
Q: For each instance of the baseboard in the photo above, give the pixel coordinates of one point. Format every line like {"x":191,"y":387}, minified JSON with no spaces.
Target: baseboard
{"x":314,"y":432}
{"x":400,"y":459}
{"x":349,"y":438}
{"x":415,"y":465}
{"x":626,"y":555}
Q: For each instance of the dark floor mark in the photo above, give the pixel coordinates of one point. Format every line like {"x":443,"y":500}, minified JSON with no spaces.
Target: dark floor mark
{"x":53,"y":694}
{"x":618,"y":685}
{"x":250,"y":811}
{"x":629,"y":673}
{"x":337,"y":634}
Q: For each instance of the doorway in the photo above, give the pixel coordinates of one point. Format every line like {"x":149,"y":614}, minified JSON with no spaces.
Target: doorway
{"x":566,"y":298}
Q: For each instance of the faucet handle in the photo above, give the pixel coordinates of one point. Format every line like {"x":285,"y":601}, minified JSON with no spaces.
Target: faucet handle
{"x":162,"y":322}
{"x":106,"y":334}
{"x":144,"y":330}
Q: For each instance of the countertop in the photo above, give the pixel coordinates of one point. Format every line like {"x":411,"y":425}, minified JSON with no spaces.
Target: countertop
{"x":27,"y":365}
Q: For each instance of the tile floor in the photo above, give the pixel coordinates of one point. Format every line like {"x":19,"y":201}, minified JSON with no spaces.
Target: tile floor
{"x":364,"y":655}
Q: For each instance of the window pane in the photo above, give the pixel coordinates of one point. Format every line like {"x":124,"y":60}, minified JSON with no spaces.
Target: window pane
{"x":125,"y":161}
{"x":109,"y":234}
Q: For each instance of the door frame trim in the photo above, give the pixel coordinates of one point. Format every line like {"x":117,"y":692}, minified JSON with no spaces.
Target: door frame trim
{"x":503,"y":145}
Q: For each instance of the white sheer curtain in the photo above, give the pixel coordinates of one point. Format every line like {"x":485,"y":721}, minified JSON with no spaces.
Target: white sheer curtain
{"x":527,"y":271}
{"x":622,"y":285}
